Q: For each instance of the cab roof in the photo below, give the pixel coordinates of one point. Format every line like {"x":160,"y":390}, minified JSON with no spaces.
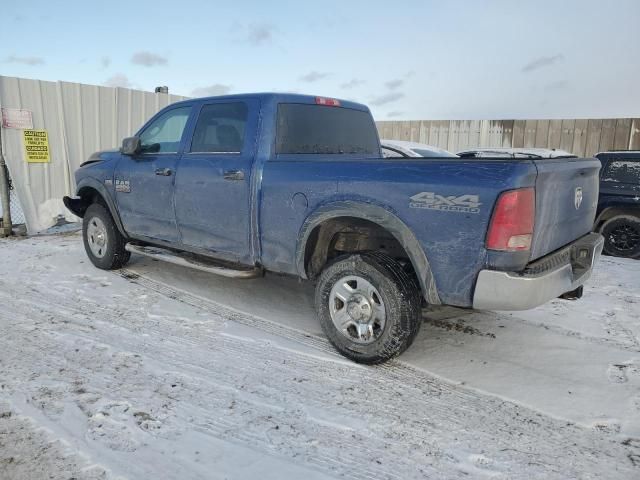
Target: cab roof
{"x":278,"y":97}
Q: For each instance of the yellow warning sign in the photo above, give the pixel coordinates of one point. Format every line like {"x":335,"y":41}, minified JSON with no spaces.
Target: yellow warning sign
{"x":36,"y":146}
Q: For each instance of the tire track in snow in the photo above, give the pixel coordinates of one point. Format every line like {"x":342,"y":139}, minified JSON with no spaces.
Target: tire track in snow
{"x":398,"y":450}
{"x":406,"y":419}
{"x":300,"y":336}
{"x":19,"y":435}
{"x":631,"y":345}
{"x":214,"y":398}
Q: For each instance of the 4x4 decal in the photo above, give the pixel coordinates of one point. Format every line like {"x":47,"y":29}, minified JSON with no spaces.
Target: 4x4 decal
{"x":451,"y":203}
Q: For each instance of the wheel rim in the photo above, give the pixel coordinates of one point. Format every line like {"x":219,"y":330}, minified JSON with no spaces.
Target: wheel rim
{"x":624,"y":238}
{"x":97,"y":237}
{"x":357,"y":310}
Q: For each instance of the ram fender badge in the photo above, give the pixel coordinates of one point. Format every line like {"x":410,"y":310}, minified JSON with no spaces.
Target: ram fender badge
{"x":122,"y":186}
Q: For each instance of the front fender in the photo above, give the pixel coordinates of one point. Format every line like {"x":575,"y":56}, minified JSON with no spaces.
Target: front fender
{"x":384,"y":218}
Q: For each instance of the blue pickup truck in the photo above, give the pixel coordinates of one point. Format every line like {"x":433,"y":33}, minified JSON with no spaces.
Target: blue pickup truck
{"x":242,"y":184}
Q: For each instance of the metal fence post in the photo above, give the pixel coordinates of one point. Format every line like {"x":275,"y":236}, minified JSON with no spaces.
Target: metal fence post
{"x":4,"y":195}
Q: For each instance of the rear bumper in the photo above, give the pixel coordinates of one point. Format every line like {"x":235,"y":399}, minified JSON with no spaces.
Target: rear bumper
{"x":542,"y":280}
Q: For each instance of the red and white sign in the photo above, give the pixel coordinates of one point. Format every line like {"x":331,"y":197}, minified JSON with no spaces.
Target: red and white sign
{"x":17,"y":118}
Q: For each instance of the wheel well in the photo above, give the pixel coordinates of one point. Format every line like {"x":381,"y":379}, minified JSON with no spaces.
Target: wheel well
{"x":89,"y":195}
{"x":341,"y":235}
{"x":611,"y":212}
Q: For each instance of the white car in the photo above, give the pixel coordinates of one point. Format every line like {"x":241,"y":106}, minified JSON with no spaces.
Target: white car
{"x":515,"y":153}
{"x":402,"y":149}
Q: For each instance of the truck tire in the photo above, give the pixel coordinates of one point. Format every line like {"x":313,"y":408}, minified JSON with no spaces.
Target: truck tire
{"x":103,"y":242}
{"x":368,"y":306}
{"x":622,"y":236}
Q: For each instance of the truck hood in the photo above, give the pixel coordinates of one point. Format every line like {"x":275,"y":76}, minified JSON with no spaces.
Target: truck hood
{"x":100,"y":156}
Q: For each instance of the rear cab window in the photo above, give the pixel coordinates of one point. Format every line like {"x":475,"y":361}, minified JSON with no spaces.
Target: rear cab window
{"x":326,"y":130}
{"x":622,"y":170}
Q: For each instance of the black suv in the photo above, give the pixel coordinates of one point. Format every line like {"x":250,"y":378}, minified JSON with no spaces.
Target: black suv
{"x":618,"y":216}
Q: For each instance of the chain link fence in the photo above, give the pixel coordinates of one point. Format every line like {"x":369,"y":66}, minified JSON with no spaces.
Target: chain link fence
{"x":17,"y":214}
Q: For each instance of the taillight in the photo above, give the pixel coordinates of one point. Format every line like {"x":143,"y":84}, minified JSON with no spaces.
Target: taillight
{"x":511,"y":227}
{"x":329,"y":102}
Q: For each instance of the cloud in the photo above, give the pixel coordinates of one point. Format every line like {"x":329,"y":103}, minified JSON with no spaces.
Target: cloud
{"x":148,"y":59}
{"x":255,"y":34}
{"x":31,"y":61}
{"x":393,"y":84}
{"x":354,"y":82}
{"x":118,"y":80}
{"x":394,"y":114}
{"x":554,"y":86}
{"x":211,"y":90}
{"x":260,"y":33}
{"x":542,"y":62}
{"x":386,"y":98}
{"x":105,"y":61}
{"x":314,"y":76}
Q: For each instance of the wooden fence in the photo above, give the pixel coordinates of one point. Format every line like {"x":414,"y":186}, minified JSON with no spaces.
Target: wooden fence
{"x":582,"y":137}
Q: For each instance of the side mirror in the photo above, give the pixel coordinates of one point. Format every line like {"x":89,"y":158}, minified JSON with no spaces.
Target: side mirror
{"x":130,"y":146}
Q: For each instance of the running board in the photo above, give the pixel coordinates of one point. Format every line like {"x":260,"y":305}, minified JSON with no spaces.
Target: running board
{"x":187,"y":260}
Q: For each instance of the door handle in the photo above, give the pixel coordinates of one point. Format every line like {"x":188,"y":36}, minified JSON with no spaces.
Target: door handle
{"x":165,"y":172}
{"x":234,"y":175}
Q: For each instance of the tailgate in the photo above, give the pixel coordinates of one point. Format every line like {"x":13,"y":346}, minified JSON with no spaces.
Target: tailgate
{"x":566,"y":202}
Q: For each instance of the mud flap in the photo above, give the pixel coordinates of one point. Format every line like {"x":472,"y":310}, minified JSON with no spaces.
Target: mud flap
{"x":77,"y":206}
{"x":573,"y":294}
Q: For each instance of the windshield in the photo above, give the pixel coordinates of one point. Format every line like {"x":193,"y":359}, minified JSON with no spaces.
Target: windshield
{"x":423,"y":152}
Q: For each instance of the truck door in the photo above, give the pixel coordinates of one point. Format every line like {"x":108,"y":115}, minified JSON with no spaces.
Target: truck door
{"x":213,"y":182}
{"x":144,"y":183}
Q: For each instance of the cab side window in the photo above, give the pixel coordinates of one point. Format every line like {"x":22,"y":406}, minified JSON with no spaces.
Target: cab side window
{"x":220,"y":128}
{"x":164,"y":134}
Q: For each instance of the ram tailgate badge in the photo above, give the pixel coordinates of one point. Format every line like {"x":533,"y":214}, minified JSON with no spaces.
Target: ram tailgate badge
{"x":578,"y":197}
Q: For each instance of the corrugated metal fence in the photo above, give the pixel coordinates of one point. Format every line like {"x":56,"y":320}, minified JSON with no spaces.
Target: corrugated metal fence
{"x":582,"y":137}
{"x":80,"y":119}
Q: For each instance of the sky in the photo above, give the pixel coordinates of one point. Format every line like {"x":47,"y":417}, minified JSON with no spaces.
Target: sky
{"x":406,"y":59}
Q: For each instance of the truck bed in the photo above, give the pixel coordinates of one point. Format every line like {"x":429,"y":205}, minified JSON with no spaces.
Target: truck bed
{"x":451,"y":233}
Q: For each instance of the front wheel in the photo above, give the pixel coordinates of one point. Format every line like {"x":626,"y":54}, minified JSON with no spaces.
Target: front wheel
{"x":622,"y":236}
{"x":103,"y":242}
{"x":368,"y":307}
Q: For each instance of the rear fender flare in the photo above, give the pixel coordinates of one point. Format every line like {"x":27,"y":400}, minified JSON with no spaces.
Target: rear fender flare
{"x":384,"y":218}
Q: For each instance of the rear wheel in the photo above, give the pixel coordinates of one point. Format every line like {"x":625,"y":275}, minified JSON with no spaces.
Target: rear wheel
{"x":103,"y":242}
{"x":622,"y":236}
{"x":368,"y":307}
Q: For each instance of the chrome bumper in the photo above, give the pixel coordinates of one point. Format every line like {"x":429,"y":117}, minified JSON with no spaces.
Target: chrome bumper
{"x":542,"y":280}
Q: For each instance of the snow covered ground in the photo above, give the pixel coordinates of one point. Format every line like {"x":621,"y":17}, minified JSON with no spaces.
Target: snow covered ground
{"x":161,"y":372}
